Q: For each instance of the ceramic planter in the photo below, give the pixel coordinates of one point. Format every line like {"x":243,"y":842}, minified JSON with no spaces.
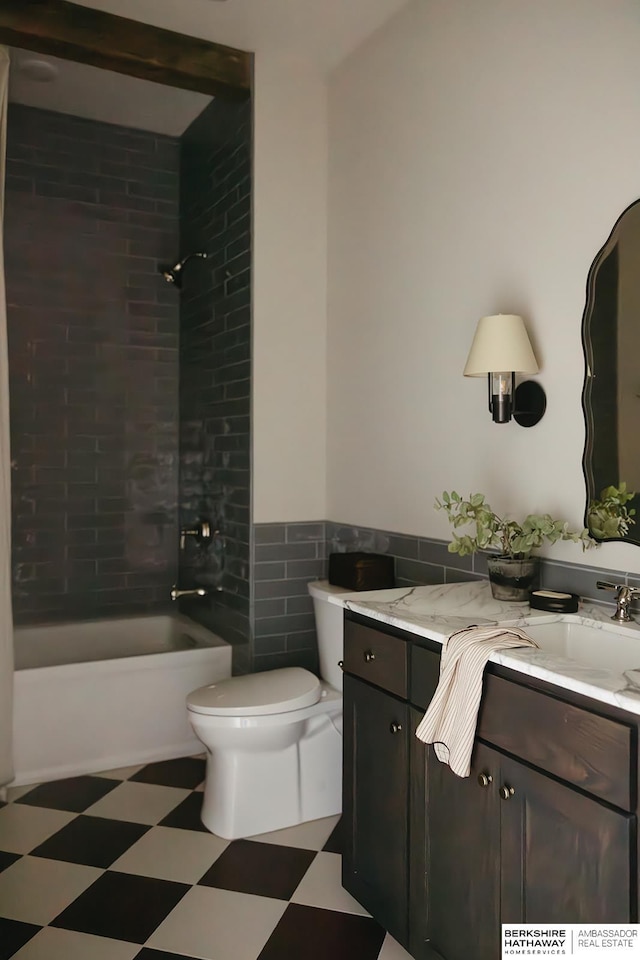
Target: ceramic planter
{"x":513,"y":579}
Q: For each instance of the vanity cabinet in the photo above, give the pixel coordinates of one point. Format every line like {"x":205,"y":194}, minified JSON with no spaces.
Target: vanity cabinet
{"x":376,"y":773}
{"x":375,"y":813}
{"x":509,"y":844}
{"x":543,"y":829}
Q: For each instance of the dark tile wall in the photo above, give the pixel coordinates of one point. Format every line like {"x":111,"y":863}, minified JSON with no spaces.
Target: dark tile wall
{"x":91,"y":209}
{"x":215,"y":363}
{"x":420,"y":560}
{"x":286,"y":556}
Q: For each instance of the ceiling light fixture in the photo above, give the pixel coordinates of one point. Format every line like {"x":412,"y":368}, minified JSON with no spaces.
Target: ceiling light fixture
{"x":40,"y":71}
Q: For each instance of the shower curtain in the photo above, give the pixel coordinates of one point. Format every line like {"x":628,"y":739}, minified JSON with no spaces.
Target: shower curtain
{"x":6,"y":620}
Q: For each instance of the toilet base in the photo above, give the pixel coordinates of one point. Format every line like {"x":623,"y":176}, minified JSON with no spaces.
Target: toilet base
{"x":248,"y":792}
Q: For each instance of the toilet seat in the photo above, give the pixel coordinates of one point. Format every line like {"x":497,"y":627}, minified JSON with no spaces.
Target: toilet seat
{"x":257,"y":694}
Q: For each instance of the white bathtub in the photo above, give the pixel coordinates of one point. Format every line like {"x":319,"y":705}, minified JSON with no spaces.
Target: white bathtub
{"x":108,"y":693}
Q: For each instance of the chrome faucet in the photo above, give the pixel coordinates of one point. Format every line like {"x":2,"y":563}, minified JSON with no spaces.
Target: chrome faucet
{"x":624,"y":597}
{"x":176,"y":594}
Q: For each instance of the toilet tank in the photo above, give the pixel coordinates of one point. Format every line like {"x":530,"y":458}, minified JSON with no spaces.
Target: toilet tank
{"x":330,"y":629}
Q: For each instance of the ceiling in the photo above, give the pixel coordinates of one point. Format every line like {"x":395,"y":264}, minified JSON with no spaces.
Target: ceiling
{"x":96,"y":94}
{"x":320,"y":32}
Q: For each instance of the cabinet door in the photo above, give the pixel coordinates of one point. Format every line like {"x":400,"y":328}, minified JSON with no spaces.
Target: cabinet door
{"x":375,"y":809}
{"x":419,"y":944}
{"x":566,"y":857}
{"x":463,"y":860}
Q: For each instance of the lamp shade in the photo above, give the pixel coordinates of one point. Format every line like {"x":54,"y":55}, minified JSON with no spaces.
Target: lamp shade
{"x":501,"y":343}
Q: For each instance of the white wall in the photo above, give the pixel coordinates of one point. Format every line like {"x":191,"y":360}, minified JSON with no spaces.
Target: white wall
{"x":479,"y":156}
{"x":289,"y":294}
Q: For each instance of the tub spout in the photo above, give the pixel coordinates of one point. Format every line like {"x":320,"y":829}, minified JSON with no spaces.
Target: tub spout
{"x":176,"y":594}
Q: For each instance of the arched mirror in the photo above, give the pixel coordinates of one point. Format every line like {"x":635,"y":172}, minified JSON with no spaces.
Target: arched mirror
{"x":611,"y":394}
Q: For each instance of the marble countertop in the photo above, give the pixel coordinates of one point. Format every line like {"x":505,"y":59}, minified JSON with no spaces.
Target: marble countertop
{"x":435,"y":612}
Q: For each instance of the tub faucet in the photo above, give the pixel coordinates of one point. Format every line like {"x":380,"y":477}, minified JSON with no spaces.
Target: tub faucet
{"x":624,"y":596}
{"x":176,"y":594}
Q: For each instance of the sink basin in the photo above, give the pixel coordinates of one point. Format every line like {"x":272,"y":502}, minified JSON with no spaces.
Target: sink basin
{"x":600,"y":646}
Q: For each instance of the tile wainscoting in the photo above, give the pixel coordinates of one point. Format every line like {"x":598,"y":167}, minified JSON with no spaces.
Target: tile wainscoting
{"x":286,"y":556}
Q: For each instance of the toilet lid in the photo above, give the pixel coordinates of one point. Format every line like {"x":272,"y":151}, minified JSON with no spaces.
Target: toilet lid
{"x":272,"y":691}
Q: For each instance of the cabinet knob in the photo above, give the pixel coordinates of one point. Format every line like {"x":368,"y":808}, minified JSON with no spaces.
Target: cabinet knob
{"x":369,"y":656}
{"x":506,"y":792}
{"x":341,"y":664}
{"x":484,"y":779}
{"x":395,"y":727}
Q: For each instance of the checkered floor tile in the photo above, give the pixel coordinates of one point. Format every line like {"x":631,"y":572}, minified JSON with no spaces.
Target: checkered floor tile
{"x":118,"y":866}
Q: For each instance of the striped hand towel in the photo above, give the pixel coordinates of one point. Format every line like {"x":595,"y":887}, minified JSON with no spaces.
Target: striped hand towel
{"x":450,"y":721}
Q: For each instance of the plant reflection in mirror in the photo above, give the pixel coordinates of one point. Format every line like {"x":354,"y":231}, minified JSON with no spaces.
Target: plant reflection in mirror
{"x":609,"y":518}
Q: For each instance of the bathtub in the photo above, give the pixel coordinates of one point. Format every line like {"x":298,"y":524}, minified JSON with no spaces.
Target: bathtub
{"x":108,"y":693}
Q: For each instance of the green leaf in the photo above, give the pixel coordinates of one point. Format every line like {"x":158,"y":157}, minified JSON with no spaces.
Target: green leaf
{"x":483,"y":529}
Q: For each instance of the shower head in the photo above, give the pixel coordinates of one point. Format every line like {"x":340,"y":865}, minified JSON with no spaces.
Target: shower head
{"x":174,"y":274}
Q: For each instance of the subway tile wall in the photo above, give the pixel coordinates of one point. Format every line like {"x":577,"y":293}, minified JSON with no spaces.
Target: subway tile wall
{"x":91,"y":209}
{"x":418,"y":560}
{"x":286,"y":556}
{"x":421,"y":560}
{"x":215,"y":365}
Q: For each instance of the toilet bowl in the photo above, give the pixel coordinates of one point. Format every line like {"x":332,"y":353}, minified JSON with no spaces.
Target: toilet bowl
{"x":274,"y":739}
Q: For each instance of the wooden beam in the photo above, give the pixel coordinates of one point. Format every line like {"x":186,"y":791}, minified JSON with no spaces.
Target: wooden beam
{"x":72,"y":32}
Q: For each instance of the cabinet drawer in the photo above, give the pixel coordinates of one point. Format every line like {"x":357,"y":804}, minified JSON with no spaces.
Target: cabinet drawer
{"x":376,"y":657}
{"x":580,"y":747}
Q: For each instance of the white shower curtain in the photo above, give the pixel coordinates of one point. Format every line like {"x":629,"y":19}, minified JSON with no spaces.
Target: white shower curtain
{"x":6,"y":620}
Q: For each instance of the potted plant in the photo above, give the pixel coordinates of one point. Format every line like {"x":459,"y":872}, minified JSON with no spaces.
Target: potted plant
{"x":513,"y":573}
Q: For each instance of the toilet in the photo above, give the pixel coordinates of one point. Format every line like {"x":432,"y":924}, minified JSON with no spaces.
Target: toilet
{"x":274,"y":739}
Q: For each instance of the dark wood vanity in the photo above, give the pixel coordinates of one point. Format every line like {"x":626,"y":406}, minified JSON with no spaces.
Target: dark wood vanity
{"x":543,"y":830}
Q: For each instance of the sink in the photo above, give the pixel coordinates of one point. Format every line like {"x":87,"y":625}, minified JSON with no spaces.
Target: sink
{"x":615,"y":648}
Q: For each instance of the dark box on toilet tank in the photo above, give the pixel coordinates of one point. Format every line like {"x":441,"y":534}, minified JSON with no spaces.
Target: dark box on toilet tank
{"x":361,"y":571}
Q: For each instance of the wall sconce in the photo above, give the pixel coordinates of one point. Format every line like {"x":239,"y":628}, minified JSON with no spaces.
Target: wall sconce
{"x":500,"y":349}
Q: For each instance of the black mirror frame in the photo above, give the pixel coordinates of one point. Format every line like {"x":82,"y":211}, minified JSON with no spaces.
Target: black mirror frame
{"x":592,"y":492}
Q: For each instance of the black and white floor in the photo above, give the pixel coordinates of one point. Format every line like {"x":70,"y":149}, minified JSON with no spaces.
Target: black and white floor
{"x":117,"y":866}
